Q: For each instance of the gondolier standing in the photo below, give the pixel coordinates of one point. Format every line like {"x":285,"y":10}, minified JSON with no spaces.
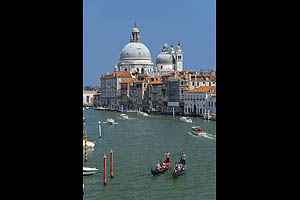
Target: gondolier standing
{"x":183,"y":158}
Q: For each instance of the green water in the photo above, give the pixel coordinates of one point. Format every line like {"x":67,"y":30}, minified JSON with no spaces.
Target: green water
{"x":138,"y":144}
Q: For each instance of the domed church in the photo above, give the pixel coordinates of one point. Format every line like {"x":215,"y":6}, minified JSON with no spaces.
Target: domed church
{"x":135,"y":56}
{"x":169,"y":60}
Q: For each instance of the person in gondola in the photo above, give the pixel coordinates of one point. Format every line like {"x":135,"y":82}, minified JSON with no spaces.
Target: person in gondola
{"x":167,"y":161}
{"x":158,"y":167}
{"x":183,"y":158}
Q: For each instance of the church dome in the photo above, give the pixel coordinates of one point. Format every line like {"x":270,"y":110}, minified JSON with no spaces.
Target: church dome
{"x":136,"y":51}
{"x":165,"y":59}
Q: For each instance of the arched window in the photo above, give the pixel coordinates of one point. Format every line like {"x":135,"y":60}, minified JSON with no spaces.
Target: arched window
{"x":142,"y":70}
{"x":125,"y":69}
{"x":161,"y":67}
{"x":137,"y":70}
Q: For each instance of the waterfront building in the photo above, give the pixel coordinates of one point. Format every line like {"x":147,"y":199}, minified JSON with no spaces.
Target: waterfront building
{"x":137,"y":90}
{"x":155,"y":95}
{"x":196,"y":100}
{"x":88,"y":97}
{"x":96,"y":99}
{"x":211,"y":106}
{"x":111,"y":88}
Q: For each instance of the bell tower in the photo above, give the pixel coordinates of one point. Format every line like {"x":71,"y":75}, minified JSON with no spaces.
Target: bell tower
{"x":179,"y":58}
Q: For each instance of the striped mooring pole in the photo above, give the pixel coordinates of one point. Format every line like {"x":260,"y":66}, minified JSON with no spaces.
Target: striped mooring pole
{"x":85,"y":141}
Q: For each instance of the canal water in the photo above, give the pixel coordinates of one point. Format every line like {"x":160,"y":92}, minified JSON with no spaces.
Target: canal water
{"x":138,"y":144}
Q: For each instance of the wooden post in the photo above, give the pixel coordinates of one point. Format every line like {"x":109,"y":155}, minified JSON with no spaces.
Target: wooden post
{"x":111,"y":164}
{"x":104,"y":169}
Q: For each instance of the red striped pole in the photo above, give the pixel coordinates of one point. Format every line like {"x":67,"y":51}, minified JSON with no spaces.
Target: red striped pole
{"x":111,"y":164}
{"x":104,"y":169}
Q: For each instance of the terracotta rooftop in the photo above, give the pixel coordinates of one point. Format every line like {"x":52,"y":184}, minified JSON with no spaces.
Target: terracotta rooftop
{"x":203,"y":89}
{"x":127,"y":80}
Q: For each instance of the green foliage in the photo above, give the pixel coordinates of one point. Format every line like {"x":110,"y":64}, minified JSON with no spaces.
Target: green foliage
{"x":91,"y":88}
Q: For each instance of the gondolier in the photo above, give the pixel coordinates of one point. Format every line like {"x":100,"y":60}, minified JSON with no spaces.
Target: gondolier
{"x":183,"y":158}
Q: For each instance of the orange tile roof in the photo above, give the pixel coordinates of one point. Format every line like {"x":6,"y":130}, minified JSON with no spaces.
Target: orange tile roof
{"x":170,"y":74}
{"x":120,"y":73}
{"x":127,"y":80}
{"x":157,"y":82}
{"x":203,"y":89}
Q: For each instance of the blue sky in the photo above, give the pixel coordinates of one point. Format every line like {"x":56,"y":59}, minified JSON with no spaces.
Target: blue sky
{"x":108,"y":23}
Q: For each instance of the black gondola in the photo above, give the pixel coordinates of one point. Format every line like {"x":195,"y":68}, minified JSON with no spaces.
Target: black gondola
{"x":154,"y":172}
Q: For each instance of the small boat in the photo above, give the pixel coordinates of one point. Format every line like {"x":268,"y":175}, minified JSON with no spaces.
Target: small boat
{"x":110,"y":121}
{"x":214,"y":117}
{"x":178,"y":173}
{"x":124,"y":116}
{"x":156,"y":171}
{"x":186,"y":119}
{"x":143,"y":114}
{"x":89,"y":171}
{"x":89,"y":144}
{"x":197,"y":130}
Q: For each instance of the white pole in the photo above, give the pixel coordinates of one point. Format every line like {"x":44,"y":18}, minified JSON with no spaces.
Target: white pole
{"x":173,"y":112}
{"x":99,"y":129}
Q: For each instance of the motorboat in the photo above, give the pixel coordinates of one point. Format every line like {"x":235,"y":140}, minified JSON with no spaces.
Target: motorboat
{"x":89,"y":144}
{"x":89,"y":171}
{"x":214,"y":117}
{"x":197,"y":130}
{"x":143,"y":114}
{"x":110,"y":121}
{"x":186,"y":119}
{"x":124,"y":116}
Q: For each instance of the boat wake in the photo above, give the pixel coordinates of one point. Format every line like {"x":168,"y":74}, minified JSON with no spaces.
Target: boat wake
{"x":207,"y":135}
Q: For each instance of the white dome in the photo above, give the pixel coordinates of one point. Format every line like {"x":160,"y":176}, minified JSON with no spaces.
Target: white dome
{"x":165,"y":59}
{"x":135,"y":51}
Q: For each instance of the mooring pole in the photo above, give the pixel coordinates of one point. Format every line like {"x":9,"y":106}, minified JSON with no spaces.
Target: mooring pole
{"x":104,"y":169}
{"x":99,"y":123}
{"x":111,"y":164}
{"x":85,"y":141}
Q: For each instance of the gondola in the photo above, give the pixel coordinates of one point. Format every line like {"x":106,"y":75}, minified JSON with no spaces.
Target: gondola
{"x":178,"y":173}
{"x":155,"y":171}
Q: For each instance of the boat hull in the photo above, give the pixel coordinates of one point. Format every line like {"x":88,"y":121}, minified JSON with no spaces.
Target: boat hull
{"x":154,"y":172}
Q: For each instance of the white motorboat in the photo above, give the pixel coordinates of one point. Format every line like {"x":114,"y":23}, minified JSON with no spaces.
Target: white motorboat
{"x":197,"y":130}
{"x":89,"y":171}
{"x":89,"y":144}
{"x":143,"y":114}
{"x":186,"y":119}
{"x":110,"y":121}
{"x":124,"y":116}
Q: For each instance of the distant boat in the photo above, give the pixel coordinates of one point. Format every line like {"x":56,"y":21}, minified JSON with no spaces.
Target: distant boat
{"x":186,"y":119}
{"x":89,"y":171}
{"x":89,"y":144}
{"x":110,"y":121}
{"x":124,"y":116}
{"x":143,"y":114}
{"x":214,"y":117}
